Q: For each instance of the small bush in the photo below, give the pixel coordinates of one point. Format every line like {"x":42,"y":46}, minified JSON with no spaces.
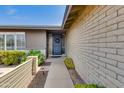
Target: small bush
{"x":69,"y":63}
{"x":87,"y":86}
{"x":12,"y":57}
{"x":38,"y":53}
{"x":1,"y":56}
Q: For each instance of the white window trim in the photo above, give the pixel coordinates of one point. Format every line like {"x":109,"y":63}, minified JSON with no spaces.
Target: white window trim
{"x":15,"y":38}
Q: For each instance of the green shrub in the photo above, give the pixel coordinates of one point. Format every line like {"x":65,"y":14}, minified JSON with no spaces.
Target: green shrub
{"x":12,"y":57}
{"x":69,"y":63}
{"x":40,"y":55}
{"x":87,"y":86}
{"x":1,"y":56}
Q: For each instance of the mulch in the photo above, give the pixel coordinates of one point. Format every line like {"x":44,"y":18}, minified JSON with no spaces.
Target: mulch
{"x":76,"y":78}
{"x":39,"y":80}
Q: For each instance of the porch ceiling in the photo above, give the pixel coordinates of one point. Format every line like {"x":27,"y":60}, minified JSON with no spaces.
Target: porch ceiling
{"x":73,"y":14}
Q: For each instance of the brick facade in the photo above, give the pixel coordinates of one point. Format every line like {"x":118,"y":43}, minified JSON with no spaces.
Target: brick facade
{"x":95,"y":41}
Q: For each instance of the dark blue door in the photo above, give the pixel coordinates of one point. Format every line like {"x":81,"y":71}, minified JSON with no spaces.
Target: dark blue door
{"x":57,"y":44}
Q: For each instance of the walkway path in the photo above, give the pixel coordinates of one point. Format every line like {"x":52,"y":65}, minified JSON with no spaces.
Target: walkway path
{"x":58,"y":75}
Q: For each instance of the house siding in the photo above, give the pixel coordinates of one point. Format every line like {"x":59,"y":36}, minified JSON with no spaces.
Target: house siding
{"x":95,"y":41}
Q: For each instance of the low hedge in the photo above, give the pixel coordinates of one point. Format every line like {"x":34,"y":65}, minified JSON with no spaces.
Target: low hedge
{"x":69,"y":63}
{"x":12,"y":57}
{"x":87,"y":86}
{"x":40,"y":55}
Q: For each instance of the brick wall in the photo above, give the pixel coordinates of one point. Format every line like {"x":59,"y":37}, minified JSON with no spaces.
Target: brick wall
{"x":95,"y":41}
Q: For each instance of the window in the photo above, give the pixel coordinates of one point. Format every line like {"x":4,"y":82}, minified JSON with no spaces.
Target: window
{"x":2,"y":41}
{"x":12,"y":41}
{"x":20,"y":41}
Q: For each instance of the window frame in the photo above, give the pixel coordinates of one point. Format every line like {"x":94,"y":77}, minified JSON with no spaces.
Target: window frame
{"x":15,"y":39}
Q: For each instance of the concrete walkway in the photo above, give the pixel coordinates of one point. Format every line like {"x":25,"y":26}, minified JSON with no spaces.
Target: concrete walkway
{"x":58,"y":75}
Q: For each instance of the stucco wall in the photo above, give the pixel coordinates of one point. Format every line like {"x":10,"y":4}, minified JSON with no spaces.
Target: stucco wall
{"x":36,"y":40}
{"x":95,"y":41}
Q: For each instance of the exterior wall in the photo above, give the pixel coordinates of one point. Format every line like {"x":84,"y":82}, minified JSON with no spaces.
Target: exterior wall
{"x":95,"y":41}
{"x":36,"y":40}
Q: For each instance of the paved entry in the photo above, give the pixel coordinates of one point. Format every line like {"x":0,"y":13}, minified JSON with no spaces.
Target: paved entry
{"x":58,"y":75}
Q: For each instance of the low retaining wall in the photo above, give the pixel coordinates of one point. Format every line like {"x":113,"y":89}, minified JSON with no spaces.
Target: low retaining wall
{"x":20,"y":76}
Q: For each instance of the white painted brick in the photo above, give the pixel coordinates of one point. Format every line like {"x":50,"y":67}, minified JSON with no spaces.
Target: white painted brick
{"x":99,"y":35}
{"x":92,"y":56}
{"x":99,"y":62}
{"x":108,"y":39}
{"x":121,"y":38}
{"x":115,"y":82}
{"x":112,"y":15}
{"x":111,"y":30}
{"x":121,"y":11}
{"x":121,"y":25}
{"x":106,"y":18}
{"x":108,"y":50}
{"x":101,"y":72}
{"x":102,"y":25}
{"x":101,"y":44}
{"x":116,"y":20}
{"x":120,"y":45}
{"x":93,"y":64}
{"x":111,"y":45}
{"x":115,"y":45}
{"x":108,"y":72}
{"x":116,"y":57}
{"x":109,"y":61}
{"x":120,"y":52}
{"x":119,"y":31}
{"x":115,"y":69}
{"x":111,"y":27}
{"x":105,"y":9}
{"x":99,"y":54}
{"x":113,"y":9}
{"x":101,"y":16}
{"x":97,"y":46}
{"x":121,"y":78}
{"x":121,"y":65}
{"x":106,"y":82}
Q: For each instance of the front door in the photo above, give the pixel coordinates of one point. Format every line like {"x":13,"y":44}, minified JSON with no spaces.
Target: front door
{"x":57,"y":44}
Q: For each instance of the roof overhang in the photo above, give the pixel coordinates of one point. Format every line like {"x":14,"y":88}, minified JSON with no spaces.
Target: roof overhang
{"x":32,"y":27}
{"x":74,"y":12}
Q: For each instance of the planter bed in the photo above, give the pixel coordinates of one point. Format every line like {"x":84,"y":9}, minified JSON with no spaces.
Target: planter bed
{"x":75,"y":77}
{"x":77,"y":80}
{"x":39,"y":80}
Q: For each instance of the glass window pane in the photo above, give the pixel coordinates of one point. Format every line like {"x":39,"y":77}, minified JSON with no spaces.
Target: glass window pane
{"x":2,"y":42}
{"x":20,"y":41}
{"x":10,"y":44}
